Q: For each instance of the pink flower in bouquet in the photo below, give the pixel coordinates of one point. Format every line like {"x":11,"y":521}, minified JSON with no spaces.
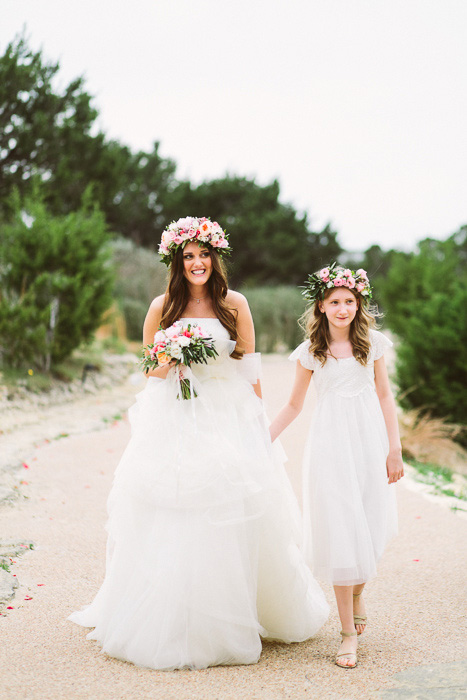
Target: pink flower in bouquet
{"x":172,"y":331}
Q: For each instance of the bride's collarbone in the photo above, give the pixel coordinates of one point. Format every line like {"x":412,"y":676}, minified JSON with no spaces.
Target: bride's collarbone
{"x":199,"y":310}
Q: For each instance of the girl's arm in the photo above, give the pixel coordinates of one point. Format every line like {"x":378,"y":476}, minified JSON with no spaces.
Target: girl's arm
{"x":245,"y":328}
{"x":394,"y":464}
{"x":150,"y":328}
{"x":295,"y":403}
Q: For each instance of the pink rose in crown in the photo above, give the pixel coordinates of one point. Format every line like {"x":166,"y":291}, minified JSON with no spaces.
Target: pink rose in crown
{"x":348,"y":273}
{"x":362,"y":273}
{"x":350,"y":282}
{"x":339,"y":282}
{"x":360,"y":286}
{"x":324,"y":274}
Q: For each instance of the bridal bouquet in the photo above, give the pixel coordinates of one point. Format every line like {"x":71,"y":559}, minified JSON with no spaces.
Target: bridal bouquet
{"x":182,"y":344}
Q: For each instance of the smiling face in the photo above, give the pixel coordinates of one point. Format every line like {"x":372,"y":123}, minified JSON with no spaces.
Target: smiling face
{"x":197,"y":264}
{"x":340,"y":307}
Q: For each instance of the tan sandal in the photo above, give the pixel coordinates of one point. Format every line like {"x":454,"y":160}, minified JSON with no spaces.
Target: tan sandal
{"x":347,"y":654}
{"x":359,"y":619}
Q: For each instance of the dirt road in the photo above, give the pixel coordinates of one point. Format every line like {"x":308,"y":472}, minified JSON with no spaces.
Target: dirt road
{"x":416,"y":605}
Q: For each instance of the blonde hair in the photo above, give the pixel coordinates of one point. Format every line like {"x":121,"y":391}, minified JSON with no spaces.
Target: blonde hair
{"x":316,"y":326}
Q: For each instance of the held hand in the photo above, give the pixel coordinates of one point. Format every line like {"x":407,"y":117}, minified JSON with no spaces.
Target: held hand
{"x":394,"y":467}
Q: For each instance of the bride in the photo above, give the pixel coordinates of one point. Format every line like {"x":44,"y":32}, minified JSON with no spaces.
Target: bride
{"x":202,"y":560}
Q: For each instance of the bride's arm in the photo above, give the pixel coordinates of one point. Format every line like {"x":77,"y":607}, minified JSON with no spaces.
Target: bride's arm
{"x":245,"y":328}
{"x":150,"y":328}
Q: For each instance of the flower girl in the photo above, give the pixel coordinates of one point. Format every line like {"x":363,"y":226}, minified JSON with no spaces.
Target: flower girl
{"x":353,"y":453}
{"x":203,"y":556}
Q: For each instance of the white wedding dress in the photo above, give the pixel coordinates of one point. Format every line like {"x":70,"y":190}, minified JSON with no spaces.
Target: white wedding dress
{"x":349,"y":508}
{"x":203,"y":529}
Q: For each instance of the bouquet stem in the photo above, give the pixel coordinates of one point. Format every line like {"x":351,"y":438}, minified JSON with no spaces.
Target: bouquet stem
{"x":185,"y":390}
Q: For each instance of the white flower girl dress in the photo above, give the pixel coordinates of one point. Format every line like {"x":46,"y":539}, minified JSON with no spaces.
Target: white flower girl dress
{"x":202,"y":555}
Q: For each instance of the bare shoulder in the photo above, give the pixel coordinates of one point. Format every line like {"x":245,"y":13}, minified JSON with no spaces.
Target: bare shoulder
{"x":236,"y":300}
{"x":157,"y":305}
{"x":154,"y":313}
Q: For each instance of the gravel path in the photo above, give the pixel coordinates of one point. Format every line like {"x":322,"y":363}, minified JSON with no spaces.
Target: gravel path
{"x":416,"y":605}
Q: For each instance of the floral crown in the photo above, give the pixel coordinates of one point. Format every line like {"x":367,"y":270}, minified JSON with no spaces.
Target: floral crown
{"x":183,"y":231}
{"x":335,"y":276}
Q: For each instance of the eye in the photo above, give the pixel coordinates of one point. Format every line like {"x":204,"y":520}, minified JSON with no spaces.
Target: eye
{"x":187,"y":256}
{"x":205,"y":254}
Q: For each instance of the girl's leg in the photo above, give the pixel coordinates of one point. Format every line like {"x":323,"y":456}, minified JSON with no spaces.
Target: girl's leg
{"x":344,"y":598}
{"x":359,"y":608}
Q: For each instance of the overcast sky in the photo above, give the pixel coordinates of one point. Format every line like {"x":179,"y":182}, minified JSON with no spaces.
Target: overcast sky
{"x":357,"y":107}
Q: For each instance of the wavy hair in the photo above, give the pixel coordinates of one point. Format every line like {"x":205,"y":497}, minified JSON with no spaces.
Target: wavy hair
{"x":316,"y":326}
{"x":177,"y":296}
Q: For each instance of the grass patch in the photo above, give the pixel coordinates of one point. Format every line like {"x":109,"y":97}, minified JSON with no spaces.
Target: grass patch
{"x":68,"y":371}
{"x":442,"y":480}
{"x":116,"y":417}
{"x":432,"y":471}
{"x":4,"y":565}
{"x":32,"y":380}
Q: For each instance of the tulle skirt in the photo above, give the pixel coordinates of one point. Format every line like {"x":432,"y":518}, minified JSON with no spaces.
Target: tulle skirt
{"x":350,"y":510}
{"x":203,"y":533}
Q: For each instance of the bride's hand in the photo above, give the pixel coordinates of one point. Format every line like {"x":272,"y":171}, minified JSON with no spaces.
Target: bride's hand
{"x":161,"y":372}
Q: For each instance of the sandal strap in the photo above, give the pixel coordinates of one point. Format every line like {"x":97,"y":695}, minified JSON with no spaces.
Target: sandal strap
{"x":347,"y":653}
{"x":349,"y":634}
{"x":359,"y":619}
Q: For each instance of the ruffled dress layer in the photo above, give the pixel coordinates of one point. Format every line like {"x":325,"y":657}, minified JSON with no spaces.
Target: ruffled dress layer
{"x":203,"y":529}
{"x":349,"y":509}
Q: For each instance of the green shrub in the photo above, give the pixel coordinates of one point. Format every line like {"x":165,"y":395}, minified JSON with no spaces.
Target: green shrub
{"x":134,"y":312}
{"x":56,"y":281}
{"x":426,"y":298}
{"x":140,"y":277}
{"x":275,"y":312}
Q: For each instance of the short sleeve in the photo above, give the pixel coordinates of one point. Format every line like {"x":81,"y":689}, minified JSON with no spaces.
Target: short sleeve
{"x":302,"y":353}
{"x":250,"y":367}
{"x":379,"y":344}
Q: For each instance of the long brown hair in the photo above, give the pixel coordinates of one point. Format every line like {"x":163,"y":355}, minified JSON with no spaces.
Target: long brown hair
{"x":177,"y":296}
{"x":316,"y":326}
